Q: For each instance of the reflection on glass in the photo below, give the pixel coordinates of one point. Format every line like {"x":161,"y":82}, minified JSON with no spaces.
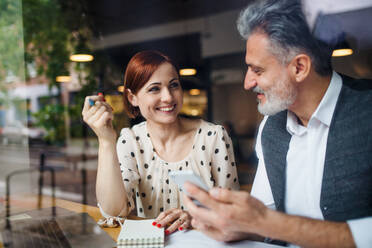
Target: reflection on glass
{"x":14,"y":106}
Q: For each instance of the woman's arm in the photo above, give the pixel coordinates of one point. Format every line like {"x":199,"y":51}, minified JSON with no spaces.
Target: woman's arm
{"x":110,"y":190}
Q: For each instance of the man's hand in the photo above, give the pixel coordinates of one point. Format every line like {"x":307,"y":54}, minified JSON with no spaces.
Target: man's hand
{"x":229,"y":215}
{"x":222,"y":235}
{"x":232,"y":215}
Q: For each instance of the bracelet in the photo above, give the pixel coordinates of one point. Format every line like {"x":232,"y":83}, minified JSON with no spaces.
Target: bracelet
{"x":267,"y":240}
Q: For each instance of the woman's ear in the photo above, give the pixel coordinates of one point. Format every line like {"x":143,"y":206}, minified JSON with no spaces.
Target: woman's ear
{"x":132,"y":98}
{"x":300,"y":67}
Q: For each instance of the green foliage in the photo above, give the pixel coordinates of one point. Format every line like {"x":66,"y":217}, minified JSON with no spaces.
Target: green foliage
{"x":45,"y":33}
{"x":11,"y":50}
{"x":46,"y":37}
{"x":51,"y":118}
{"x":11,"y":37}
{"x":76,"y":108}
{"x":58,"y":30}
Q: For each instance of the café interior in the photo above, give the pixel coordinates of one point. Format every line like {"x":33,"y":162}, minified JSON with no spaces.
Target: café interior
{"x":53,"y":53}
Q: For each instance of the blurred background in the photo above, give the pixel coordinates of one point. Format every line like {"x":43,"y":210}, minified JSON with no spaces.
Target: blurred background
{"x":43,"y":85}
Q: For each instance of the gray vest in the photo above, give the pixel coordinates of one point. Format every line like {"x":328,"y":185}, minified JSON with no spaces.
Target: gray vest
{"x":347,"y":178}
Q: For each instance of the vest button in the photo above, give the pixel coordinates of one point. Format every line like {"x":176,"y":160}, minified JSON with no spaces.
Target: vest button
{"x":325,"y":208}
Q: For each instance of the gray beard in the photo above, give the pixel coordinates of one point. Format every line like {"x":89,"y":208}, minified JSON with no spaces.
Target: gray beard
{"x":274,"y":102}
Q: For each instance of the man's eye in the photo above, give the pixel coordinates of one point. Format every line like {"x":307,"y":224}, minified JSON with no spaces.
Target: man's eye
{"x":258,"y":71}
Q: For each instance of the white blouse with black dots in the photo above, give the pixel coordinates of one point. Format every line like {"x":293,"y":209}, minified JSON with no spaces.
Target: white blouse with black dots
{"x":145,"y":174}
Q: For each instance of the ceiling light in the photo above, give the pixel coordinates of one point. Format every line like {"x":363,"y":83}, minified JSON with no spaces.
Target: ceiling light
{"x":121,"y":88}
{"x":63,"y":79}
{"x":81,"y":57}
{"x":194,"y":92}
{"x":342,"y":49}
{"x":342,"y":52}
{"x":187,"y":72}
{"x":194,"y":112}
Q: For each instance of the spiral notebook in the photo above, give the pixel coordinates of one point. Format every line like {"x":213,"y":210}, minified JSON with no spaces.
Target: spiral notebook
{"x":140,"y":233}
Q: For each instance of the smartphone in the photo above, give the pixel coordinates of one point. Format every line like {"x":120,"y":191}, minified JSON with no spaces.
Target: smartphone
{"x":180,"y":177}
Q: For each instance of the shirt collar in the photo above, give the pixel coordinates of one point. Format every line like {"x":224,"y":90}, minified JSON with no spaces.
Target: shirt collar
{"x":325,"y":109}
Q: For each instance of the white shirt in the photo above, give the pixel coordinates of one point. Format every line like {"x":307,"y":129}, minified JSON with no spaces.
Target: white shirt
{"x":304,"y":170}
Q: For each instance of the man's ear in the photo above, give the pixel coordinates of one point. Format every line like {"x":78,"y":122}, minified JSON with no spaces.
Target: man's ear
{"x":300,"y":67}
{"x":132,"y":98}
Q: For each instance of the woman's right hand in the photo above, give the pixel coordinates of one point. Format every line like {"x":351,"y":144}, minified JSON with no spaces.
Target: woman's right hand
{"x":99,"y":117}
{"x":173,"y":219}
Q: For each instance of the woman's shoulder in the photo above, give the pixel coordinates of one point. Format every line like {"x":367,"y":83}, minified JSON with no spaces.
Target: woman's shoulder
{"x":207,"y":133}
{"x":196,"y":123}
{"x":139,"y":128}
{"x":208,"y":127}
{"x":190,"y":124}
{"x":134,"y":131}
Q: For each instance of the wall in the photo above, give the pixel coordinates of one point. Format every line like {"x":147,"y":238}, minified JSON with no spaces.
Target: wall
{"x":218,"y":34}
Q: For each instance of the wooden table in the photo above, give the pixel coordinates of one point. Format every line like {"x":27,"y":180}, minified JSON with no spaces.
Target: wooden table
{"x":30,"y":202}
{"x":21,"y":203}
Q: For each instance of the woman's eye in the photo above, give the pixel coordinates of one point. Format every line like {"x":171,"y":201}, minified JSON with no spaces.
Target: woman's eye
{"x":174,"y":85}
{"x":153,"y":89}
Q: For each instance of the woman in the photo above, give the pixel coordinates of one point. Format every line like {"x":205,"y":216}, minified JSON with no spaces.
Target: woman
{"x":134,"y":172}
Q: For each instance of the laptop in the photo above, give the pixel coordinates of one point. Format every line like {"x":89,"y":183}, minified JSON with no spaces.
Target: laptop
{"x":64,"y":229}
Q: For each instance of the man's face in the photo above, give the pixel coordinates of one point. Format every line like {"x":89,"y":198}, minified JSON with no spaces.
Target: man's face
{"x":267,"y":76}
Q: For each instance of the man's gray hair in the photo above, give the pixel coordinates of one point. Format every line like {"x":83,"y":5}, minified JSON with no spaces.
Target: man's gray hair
{"x":284,"y":22}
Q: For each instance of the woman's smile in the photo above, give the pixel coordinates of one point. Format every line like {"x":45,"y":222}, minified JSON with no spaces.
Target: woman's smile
{"x":167,"y":109}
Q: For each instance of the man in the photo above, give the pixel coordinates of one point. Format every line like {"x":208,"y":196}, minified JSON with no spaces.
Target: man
{"x":313,"y":185}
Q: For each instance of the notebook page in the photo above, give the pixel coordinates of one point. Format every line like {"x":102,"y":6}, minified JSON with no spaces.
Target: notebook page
{"x":140,"y":229}
{"x":196,"y":239}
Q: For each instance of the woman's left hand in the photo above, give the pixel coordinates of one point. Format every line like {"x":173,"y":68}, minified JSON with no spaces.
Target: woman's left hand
{"x":173,"y":219}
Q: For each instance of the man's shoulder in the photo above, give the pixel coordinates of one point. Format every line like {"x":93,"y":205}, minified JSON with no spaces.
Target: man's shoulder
{"x":357,"y":84}
{"x":276,"y":121}
{"x":274,"y":129}
{"x":355,"y":94}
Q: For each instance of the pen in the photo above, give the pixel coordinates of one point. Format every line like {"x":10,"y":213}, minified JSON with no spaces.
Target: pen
{"x":91,"y":102}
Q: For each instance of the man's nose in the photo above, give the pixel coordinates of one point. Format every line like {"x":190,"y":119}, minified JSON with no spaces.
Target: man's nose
{"x":249,"y":81}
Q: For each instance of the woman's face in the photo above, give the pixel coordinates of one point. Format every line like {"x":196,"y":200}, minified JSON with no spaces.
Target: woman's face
{"x":160,"y":99}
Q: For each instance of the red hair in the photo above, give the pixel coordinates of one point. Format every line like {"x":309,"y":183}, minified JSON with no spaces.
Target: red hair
{"x":139,"y":71}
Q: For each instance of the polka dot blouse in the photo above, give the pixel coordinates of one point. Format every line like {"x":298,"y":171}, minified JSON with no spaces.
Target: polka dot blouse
{"x":145,"y":174}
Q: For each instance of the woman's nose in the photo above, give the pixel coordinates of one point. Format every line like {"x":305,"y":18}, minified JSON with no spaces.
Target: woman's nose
{"x":166,"y":95}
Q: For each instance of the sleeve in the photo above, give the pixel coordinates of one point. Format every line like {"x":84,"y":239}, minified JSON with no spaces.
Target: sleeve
{"x":361,"y":231}
{"x":224,"y":170}
{"x":261,"y":187}
{"x":126,"y":148}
